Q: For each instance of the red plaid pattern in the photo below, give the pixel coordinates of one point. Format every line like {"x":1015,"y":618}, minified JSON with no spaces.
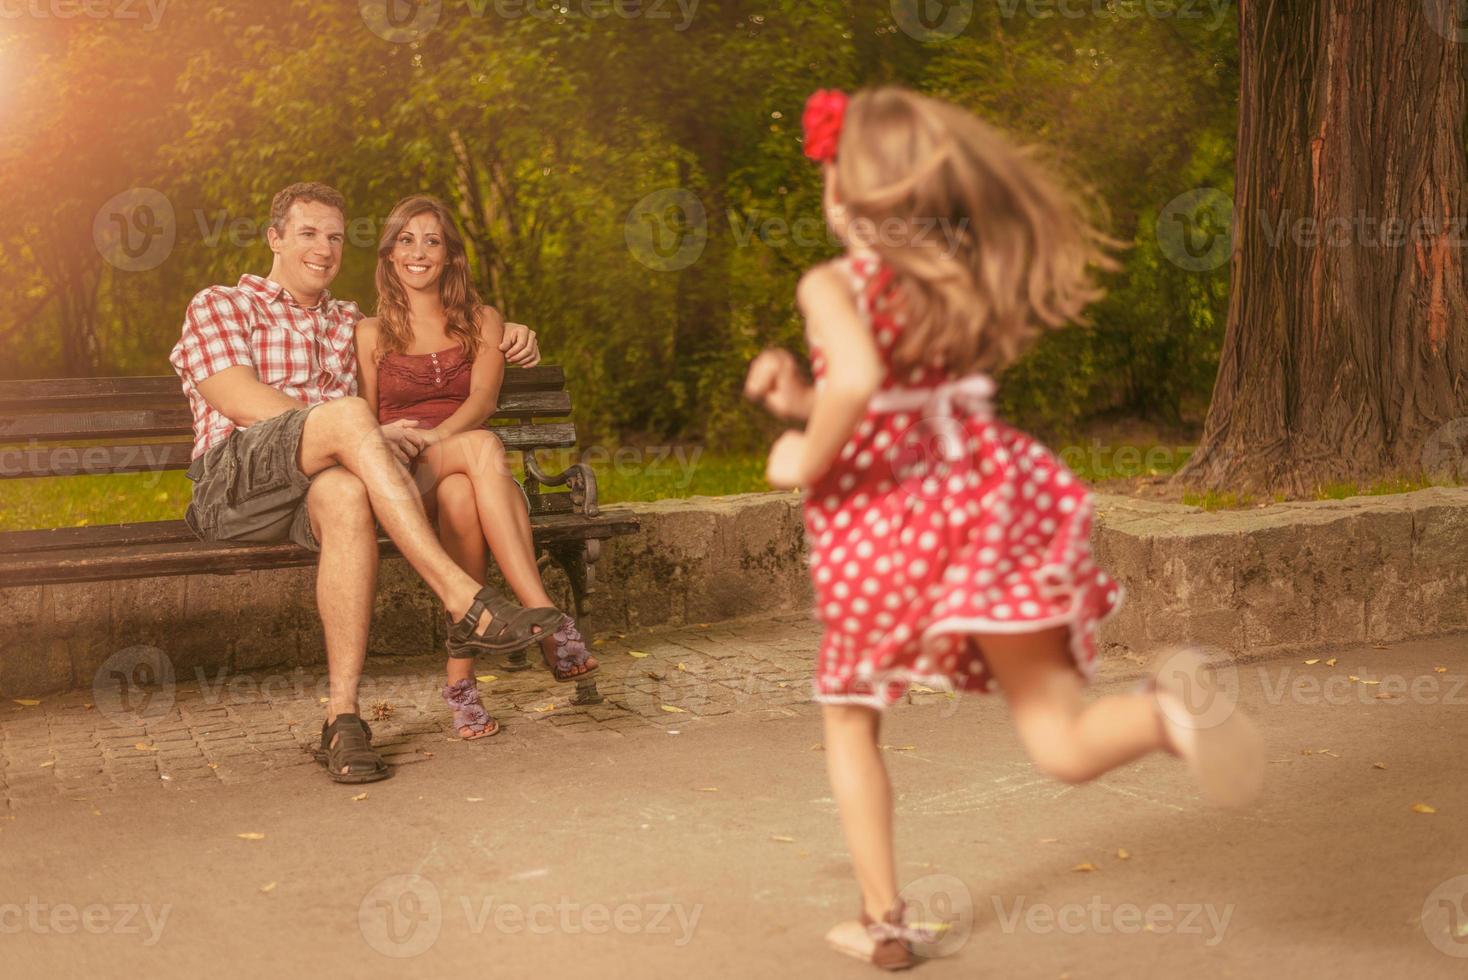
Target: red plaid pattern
{"x":304,"y":353}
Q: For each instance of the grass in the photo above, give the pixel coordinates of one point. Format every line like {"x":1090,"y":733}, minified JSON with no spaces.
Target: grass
{"x":623,"y":475}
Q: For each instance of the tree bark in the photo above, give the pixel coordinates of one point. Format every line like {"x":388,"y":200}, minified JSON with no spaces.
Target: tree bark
{"x":1345,"y":346}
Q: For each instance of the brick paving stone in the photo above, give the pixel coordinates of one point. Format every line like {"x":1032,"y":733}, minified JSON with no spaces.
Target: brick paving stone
{"x":250,"y":725}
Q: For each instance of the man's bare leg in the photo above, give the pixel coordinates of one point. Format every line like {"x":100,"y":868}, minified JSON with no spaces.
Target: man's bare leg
{"x":344,"y":432}
{"x":346,"y":579}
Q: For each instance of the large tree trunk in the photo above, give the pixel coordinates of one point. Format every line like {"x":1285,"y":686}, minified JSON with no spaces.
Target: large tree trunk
{"x":1345,"y":348}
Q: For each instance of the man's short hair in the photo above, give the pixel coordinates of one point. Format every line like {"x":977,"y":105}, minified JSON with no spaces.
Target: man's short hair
{"x":306,"y":192}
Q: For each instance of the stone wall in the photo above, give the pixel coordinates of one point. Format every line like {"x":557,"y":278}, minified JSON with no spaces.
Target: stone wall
{"x":1286,"y":577}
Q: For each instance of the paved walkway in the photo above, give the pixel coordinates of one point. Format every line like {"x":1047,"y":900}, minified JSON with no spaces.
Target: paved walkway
{"x":140,"y":723}
{"x":629,"y":840}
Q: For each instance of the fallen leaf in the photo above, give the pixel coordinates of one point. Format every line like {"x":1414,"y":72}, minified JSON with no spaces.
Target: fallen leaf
{"x":145,"y":747}
{"x":359,"y":797}
{"x":1330,"y":662}
{"x":1440,"y":670}
{"x":267,"y":889}
{"x":252,"y":835}
{"x":1378,"y":765}
{"x":213,"y":765}
{"x":1422,"y":808}
{"x":597,"y":642}
{"x":1124,"y":854}
{"x":1328,"y":752}
{"x":923,"y":689}
{"x":674,"y":711}
{"x":1386,"y":697}
{"x":321,"y":700}
{"x":26,"y":702}
{"x":1312,"y":663}
{"x":636,"y":653}
{"x":818,"y":747}
{"x":1048,"y":840}
{"x":703,"y":626}
{"x":1353,"y":678}
{"x":543,"y":708}
{"x":708,"y":789}
{"x":48,"y":765}
{"x":681,"y":666}
{"x":1379,"y":646}
{"x":486,"y":678}
{"x":1085,"y":866}
{"x":473,"y":799}
{"x":782,"y":839}
{"x":1370,"y":683}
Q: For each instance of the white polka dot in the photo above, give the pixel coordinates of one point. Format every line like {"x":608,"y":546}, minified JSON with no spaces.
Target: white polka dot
{"x":928,"y":541}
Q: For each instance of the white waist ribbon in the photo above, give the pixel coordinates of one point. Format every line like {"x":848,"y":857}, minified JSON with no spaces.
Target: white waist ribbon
{"x":971,"y":395}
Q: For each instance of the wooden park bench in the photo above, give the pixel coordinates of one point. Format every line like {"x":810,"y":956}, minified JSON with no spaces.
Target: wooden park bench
{"x":131,"y":425}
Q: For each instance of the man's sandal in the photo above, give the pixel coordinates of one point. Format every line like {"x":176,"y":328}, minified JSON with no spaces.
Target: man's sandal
{"x":512,"y":628}
{"x":463,"y":697}
{"x":571,"y":653}
{"x":346,"y":752}
{"x":887,"y":944}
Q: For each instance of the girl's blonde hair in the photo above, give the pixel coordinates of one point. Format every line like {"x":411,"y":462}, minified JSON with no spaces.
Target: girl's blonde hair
{"x":455,"y":287}
{"x":988,"y":252}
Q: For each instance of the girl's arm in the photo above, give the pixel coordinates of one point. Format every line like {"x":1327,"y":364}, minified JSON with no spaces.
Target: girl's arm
{"x":485,"y":378}
{"x":366,"y":336}
{"x":853,"y":372}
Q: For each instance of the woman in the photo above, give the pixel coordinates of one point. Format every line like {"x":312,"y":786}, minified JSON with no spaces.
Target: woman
{"x":431,"y":359}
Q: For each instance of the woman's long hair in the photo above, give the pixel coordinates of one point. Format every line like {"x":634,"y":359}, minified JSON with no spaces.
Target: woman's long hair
{"x":986,"y":249}
{"x":460,"y":299}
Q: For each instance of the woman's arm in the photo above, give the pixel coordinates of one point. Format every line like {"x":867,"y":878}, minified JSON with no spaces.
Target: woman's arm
{"x":853,"y":374}
{"x":367,"y":361}
{"x":485,"y":377}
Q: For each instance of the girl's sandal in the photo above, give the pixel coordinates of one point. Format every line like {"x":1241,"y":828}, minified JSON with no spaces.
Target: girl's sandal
{"x":512,"y":627}
{"x":346,"y":752}
{"x":887,"y":944}
{"x":1204,"y":727}
{"x":571,"y":653}
{"x":463,"y":697}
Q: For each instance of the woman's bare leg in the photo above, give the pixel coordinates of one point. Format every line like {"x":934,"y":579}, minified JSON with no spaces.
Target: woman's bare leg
{"x":864,"y":797}
{"x":451,"y":503}
{"x":503,"y":517}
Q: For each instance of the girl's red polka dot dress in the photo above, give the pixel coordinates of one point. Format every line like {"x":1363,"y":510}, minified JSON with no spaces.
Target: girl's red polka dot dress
{"x":938,"y":522}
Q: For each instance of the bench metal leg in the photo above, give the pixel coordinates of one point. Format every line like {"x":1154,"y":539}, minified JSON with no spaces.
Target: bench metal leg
{"x":576,"y":561}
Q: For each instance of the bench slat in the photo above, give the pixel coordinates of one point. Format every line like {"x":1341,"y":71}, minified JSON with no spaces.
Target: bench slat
{"x":182,"y":557}
{"x":162,"y":391}
{"x":174,"y":421}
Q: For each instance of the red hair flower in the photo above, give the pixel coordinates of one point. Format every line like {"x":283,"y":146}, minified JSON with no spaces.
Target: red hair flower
{"x":825,"y":110}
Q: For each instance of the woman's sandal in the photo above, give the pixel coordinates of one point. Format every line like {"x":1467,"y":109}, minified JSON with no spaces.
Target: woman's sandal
{"x":886,"y":945}
{"x":512,"y":628}
{"x":1204,"y":728}
{"x":346,"y":752}
{"x":570,"y":653}
{"x":463,"y":697}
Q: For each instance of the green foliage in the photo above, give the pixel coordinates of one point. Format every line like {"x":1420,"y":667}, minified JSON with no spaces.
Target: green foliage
{"x":545,"y":134}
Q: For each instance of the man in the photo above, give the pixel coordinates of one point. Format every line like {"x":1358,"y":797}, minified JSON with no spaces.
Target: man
{"x":283,"y":450}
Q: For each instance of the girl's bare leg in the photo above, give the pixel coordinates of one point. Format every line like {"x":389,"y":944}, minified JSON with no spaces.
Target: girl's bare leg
{"x":1068,"y":739}
{"x":864,"y":797}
